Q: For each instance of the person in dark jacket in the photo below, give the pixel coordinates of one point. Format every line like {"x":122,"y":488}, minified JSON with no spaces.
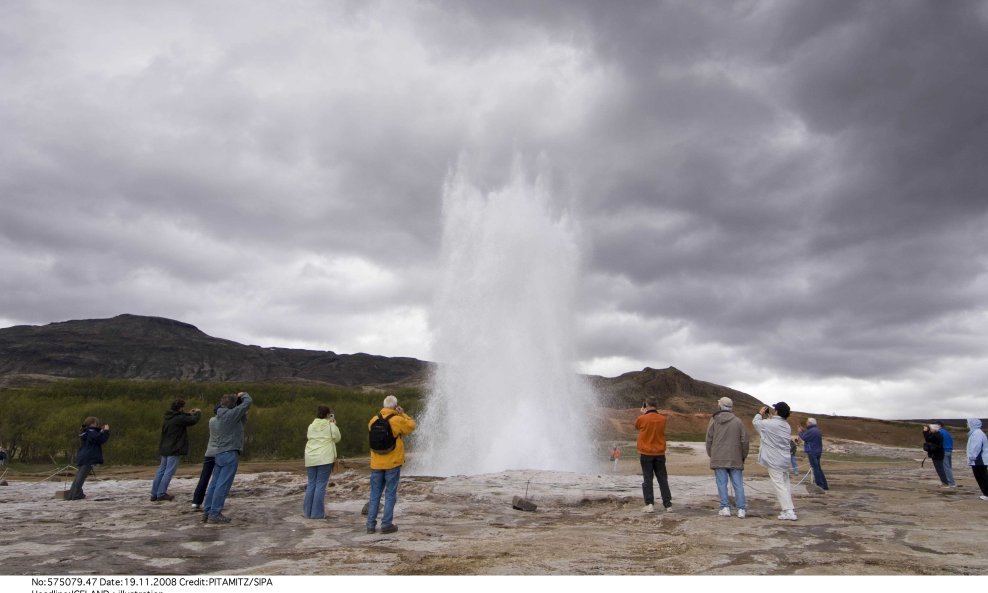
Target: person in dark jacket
{"x":90,"y":453}
{"x":934,"y":450}
{"x":173,"y":444}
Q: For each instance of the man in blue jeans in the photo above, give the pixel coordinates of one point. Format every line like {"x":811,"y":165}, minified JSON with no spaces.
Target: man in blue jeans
{"x":386,"y":462}
{"x":226,"y":440}
{"x":727,"y":447}
{"x":173,"y":444}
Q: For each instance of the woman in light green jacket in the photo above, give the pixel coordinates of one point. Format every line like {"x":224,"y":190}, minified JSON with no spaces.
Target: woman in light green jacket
{"x":320,"y":454}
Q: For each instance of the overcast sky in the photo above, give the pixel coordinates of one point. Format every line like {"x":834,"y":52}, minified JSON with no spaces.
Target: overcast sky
{"x":788,"y":198}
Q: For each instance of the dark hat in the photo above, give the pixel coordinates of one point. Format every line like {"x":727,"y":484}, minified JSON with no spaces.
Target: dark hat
{"x":782,"y":409}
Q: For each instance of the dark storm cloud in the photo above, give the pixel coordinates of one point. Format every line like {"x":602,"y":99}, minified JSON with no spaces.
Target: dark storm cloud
{"x":771,"y":193}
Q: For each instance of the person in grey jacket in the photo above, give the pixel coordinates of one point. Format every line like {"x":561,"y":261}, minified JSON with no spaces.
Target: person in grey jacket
{"x":773,"y":453}
{"x":727,"y":447}
{"x":226,"y":440}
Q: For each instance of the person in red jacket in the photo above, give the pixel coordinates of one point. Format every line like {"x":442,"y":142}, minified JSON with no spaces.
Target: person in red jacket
{"x":651,"y":428}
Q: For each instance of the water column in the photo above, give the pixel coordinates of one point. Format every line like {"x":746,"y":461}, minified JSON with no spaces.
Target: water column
{"x":506,"y":394}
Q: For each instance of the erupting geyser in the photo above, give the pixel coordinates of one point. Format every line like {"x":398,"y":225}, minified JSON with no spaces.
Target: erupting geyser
{"x":506,"y":394}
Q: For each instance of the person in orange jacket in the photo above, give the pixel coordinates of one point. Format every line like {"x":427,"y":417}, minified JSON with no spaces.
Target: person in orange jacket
{"x":387,"y":431}
{"x":651,"y":426}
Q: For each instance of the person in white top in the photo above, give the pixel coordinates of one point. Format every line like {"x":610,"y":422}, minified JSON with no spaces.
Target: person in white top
{"x":773,"y":453}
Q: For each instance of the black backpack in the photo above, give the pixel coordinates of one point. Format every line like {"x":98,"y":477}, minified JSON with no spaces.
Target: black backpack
{"x":382,"y":440}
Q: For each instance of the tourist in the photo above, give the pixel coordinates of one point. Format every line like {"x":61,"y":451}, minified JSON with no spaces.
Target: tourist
{"x":90,"y":453}
{"x":933,"y":446}
{"x":387,"y":431}
{"x":651,"y":426}
{"x":977,"y":454}
{"x":3,"y":456}
{"x":226,"y":441}
{"x":320,"y":454}
{"x":813,"y":446}
{"x":948,"y":450}
{"x":773,"y":453}
{"x":616,"y":456}
{"x":173,"y":444}
{"x":792,"y":456}
{"x":208,"y":464}
{"x":727,"y":447}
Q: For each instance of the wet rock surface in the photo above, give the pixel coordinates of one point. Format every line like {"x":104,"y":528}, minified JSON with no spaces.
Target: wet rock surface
{"x":881,"y":516}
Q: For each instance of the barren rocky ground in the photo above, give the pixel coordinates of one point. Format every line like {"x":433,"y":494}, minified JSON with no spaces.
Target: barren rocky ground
{"x":884,"y":515}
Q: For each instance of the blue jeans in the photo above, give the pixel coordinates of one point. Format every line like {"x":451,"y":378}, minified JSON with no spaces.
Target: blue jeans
{"x":948,"y":471}
{"x":313,"y":507}
{"x":222,"y":479}
{"x":166,"y":469}
{"x":75,"y":492}
{"x":385,"y":480}
{"x":795,"y":467}
{"x":818,"y":478}
{"x":721,"y":474}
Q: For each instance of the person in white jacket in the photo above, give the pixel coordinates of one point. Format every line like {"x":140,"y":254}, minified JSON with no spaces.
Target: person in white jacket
{"x":977,"y":454}
{"x":773,"y":453}
{"x":320,"y":455}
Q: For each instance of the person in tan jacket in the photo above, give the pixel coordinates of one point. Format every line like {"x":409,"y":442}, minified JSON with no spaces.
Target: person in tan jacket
{"x":651,"y":428}
{"x":386,"y":462}
{"x":727,"y":447}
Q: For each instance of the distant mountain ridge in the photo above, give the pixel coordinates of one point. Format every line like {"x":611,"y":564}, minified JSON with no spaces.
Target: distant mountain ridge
{"x":140,"y":347}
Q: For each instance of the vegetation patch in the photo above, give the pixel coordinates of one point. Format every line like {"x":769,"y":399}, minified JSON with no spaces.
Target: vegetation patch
{"x":41,"y":424}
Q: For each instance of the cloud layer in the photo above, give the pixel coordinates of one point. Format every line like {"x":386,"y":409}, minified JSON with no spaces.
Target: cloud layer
{"x":787,"y":198}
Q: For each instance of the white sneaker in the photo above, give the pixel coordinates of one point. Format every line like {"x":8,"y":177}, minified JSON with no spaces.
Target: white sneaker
{"x":790,"y":515}
{"x":984,"y":498}
{"x":668,"y":509}
{"x":741,"y":514}
{"x":649,"y":509}
{"x":725,"y":512}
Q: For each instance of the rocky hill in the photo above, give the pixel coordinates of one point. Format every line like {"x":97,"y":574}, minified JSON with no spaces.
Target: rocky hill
{"x":137,"y":347}
{"x":671,"y":389}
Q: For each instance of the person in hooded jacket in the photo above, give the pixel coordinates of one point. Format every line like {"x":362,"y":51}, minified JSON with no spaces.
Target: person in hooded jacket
{"x":773,"y":453}
{"x":320,"y":455}
{"x":173,"y":444}
{"x":90,"y":453}
{"x":977,"y":454}
{"x":727,"y":447}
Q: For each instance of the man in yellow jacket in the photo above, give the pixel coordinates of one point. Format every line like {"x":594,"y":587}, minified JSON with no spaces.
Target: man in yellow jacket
{"x":386,"y":464}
